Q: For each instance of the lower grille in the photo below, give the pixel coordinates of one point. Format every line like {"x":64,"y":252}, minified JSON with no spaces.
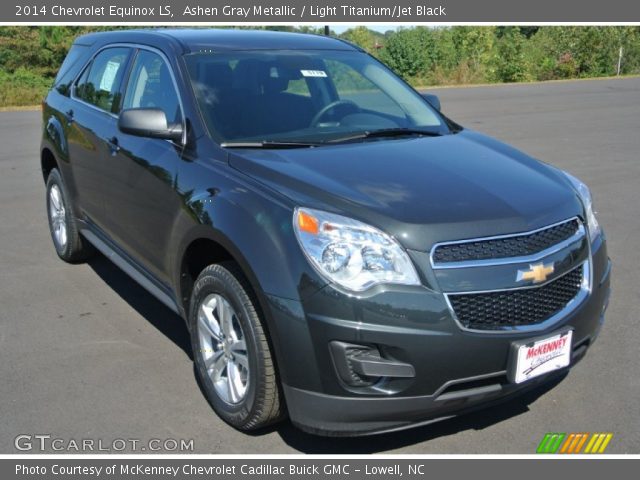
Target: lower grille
{"x":510,"y":308}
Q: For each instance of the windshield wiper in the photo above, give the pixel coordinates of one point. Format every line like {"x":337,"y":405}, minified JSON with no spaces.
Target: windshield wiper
{"x":386,"y":132}
{"x":380,"y":133}
{"x":269,"y":144}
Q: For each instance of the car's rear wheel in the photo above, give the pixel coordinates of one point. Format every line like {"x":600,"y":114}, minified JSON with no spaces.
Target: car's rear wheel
{"x":69,"y":244}
{"x":233,"y":359}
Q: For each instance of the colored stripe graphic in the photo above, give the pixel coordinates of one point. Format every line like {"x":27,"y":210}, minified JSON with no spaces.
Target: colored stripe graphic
{"x":598,"y":443}
{"x":605,"y":443}
{"x":574,"y":442}
{"x":581,"y":443}
{"x":550,"y":443}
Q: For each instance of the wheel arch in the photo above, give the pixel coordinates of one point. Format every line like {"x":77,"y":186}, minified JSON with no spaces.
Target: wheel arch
{"x":47,"y":162}
{"x":205,"y":246}
{"x":54,"y":145}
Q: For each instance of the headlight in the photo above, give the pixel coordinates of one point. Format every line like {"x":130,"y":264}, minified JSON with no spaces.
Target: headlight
{"x":585,"y":196}
{"x":351,"y":253}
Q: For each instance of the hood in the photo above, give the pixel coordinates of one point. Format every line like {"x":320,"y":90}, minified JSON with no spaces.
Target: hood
{"x":421,"y":190}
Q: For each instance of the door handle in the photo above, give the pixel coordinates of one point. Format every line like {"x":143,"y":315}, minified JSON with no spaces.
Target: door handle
{"x":114,"y":146}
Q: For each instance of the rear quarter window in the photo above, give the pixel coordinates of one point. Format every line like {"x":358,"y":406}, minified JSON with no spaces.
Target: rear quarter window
{"x":69,"y":68}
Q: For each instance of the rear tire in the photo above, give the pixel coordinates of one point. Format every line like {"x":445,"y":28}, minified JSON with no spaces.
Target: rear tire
{"x":233,"y":360}
{"x":69,"y":244}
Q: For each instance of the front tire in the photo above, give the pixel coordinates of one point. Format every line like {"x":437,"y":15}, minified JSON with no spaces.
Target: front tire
{"x":69,"y":244}
{"x":233,"y":361}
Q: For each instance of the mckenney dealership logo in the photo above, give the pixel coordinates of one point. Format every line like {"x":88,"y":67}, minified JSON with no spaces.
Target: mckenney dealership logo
{"x":537,"y":273}
{"x":546,"y":348}
{"x":539,"y":355}
{"x":574,"y":443}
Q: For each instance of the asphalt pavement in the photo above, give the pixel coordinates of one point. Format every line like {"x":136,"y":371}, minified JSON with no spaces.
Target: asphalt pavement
{"x":86,"y":354}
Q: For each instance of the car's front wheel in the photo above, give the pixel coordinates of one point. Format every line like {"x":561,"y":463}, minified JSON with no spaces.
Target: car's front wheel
{"x":69,"y":244}
{"x":232,"y":356}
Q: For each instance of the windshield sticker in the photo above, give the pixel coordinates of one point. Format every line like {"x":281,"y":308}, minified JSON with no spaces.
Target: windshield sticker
{"x":313,"y":73}
{"x":109,"y":75}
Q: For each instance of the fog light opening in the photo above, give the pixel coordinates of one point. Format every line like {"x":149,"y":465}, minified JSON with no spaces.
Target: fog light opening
{"x":345,"y":356}
{"x":364,"y":366}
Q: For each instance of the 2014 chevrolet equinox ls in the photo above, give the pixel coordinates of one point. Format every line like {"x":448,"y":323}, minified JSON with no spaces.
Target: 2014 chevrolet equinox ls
{"x":341,"y":251}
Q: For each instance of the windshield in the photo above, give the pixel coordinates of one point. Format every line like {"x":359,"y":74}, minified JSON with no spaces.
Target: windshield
{"x":313,"y":96}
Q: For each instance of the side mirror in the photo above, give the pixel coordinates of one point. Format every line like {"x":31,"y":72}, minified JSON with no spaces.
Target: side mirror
{"x":433,"y":100}
{"x":148,"y":122}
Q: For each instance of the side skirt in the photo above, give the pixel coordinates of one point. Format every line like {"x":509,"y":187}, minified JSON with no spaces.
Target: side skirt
{"x":128,"y":266}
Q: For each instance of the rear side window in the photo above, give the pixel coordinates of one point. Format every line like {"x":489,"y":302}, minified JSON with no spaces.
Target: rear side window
{"x":99,"y":85}
{"x":150,"y":86}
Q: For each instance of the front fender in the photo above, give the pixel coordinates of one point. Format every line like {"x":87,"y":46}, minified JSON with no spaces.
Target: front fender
{"x":258,"y":233}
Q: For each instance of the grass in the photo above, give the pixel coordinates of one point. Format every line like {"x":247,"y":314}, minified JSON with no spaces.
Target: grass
{"x":22,"y":88}
{"x":426,"y":86}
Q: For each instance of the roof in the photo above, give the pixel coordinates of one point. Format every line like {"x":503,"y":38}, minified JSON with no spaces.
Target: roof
{"x":196,"y":39}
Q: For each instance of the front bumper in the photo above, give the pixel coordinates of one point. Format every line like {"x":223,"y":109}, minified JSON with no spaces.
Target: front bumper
{"x":455,"y":370}
{"x":330,"y":415}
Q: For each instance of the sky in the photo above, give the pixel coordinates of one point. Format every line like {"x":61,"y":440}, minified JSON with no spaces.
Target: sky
{"x":341,"y":27}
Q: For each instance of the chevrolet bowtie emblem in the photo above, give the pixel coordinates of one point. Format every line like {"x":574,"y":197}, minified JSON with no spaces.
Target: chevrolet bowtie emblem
{"x":537,"y":273}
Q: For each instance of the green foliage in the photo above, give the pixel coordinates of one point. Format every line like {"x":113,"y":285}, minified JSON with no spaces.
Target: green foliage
{"x":365,"y":38}
{"x":475,"y":54}
{"x":510,"y":64}
{"x":22,"y":87}
{"x":578,"y":52}
{"x":409,"y":51}
{"x":30,"y":56}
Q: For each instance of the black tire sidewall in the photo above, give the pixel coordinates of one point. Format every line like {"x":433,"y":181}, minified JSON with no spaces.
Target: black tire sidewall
{"x":216,"y":283}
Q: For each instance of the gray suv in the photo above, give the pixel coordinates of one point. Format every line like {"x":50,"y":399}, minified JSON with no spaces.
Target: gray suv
{"x":341,"y":251}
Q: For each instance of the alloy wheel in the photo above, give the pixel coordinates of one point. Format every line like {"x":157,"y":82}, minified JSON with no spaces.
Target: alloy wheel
{"x":57,"y":215}
{"x":223,"y":348}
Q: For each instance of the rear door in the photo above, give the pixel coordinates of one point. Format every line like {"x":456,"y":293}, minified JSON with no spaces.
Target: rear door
{"x":142,"y":202}
{"x":91,"y":122}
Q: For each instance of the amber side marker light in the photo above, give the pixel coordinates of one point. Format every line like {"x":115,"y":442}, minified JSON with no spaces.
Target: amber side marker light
{"x":308,"y":223}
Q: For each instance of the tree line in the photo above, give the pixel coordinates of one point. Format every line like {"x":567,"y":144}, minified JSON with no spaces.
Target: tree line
{"x":461,"y":55}
{"x":424,"y":56}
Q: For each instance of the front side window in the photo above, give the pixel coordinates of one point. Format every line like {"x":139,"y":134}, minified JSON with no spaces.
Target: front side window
{"x":99,"y":85}
{"x":150,"y":86}
{"x":296,"y":95}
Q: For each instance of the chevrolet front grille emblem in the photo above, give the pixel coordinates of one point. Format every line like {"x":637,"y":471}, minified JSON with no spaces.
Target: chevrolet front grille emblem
{"x":537,"y":273}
